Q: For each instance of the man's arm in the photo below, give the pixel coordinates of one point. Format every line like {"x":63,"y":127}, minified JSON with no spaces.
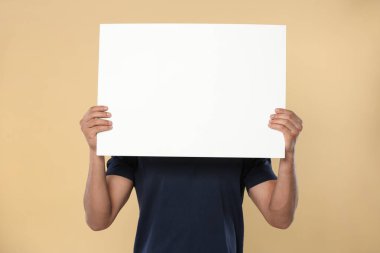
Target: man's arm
{"x":104,"y":195}
{"x":277,"y":199}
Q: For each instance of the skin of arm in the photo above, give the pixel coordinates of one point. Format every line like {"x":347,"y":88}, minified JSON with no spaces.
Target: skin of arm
{"x":104,"y":196}
{"x":277,"y":199}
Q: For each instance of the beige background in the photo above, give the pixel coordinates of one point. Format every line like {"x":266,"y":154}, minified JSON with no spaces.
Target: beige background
{"x":48,"y":79}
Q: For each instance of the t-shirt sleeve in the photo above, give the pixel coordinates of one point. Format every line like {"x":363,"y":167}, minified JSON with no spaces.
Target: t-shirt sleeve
{"x":257,"y":170}
{"x":124,"y":166}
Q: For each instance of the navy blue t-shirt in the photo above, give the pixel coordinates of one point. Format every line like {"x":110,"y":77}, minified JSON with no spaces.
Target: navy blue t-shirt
{"x":190,"y":204}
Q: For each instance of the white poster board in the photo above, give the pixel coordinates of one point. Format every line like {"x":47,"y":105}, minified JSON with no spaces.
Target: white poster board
{"x":192,"y":90}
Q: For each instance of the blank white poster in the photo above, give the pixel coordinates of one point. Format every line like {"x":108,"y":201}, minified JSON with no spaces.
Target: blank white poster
{"x":192,"y":90}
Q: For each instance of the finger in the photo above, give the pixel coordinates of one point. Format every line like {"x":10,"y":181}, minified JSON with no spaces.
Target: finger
{"x":283,"y":110}
{"x":288,"y":112}
{"x":286,"y":123}
{"x":92,"y":109}
{"x":98,"y":122}
{"x":98,"y":108}
{"x":289,"y":117}
{"x":98,"y":115}
{"x":280,"y":127}
{"x":98,"y":129}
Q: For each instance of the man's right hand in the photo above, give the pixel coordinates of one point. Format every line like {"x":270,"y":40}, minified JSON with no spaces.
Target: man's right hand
{"x":91,"y":124}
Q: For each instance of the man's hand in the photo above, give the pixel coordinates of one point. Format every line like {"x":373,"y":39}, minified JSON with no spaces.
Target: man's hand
{"x":91,"y":124}
{"x":289,"y":124}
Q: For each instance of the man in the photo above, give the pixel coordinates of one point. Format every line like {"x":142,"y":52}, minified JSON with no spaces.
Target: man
{"x":190,"y":204}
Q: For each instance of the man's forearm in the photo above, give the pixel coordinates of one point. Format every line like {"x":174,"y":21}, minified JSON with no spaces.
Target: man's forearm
{"x":285,"y":194}
{"x":96,"y":199}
